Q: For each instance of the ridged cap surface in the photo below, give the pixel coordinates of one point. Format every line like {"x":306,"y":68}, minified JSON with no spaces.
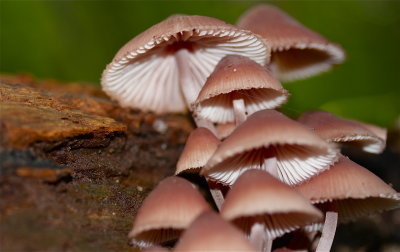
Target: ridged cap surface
{"x":297,"y":52}
{"x":166,"y":211}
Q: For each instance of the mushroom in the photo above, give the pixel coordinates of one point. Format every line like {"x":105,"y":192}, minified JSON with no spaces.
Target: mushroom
{"x":257,"y":197}
{"x":265,"y":138}
{"x":200,"y":146}
{"x":371,"y":138}
{"x":238,"y":87}
{"x":164,"y":68}
{"x":350,"y":190}
{"x":297,"y":52}
{"x":209,"y":232}
{"x":168,"y":210}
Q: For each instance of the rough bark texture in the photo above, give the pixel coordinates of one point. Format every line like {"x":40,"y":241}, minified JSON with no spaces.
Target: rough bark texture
{"x":75,"y":168}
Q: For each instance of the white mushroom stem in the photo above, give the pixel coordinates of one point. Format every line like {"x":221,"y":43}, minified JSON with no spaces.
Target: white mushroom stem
{"x":187,"y":84}
{"x":217,"y":195}
{"x":328,"y":232}
{"x":201,"y":122}
{"x":239,"y":109}
{"x":259,"y":239}
{"x":270,"y":165}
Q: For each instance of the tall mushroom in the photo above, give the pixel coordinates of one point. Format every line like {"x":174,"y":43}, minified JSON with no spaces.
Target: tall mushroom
{"x":164,"y":68}
{"x":297,"y":52}
{"x":200,"y":146}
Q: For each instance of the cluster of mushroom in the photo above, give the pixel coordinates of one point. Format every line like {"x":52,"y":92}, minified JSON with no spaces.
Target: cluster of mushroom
{"x":269,"y":175}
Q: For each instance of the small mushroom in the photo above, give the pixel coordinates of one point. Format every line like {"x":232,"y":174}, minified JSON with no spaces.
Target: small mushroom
{"x":164,"y":68}
{"x":257,"y":197}
{"x":236,"y":88}
{"x":166,"y":212}
{"x":209,"y":232}
{"x":200,"y":146}
{"x":265,"y":138}
{"x":350,"y":190}
{"x":297,"y":52}
{"x":371,"y":138}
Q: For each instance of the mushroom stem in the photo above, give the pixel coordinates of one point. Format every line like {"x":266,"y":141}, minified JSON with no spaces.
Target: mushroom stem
{"x":328,"y":232}
{"x":201,"y":122}
{"x":259,"y":239}
{"x":186,"y":82}
{"x":270,"y":165}
{"x":239,"y":110}
{"x":217,"y":194}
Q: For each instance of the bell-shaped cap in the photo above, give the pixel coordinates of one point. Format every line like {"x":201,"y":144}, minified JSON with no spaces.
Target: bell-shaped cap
{"x":209,"y":232}
{"x":166,"y":212}
{"x":349,"y":189}
{"x":238,"y":77}
{"x":200,"y":146}
{"x":145,"y":72}
{"x":297,"y":52}
{"x":332,"y":128}
{"x":257,"y":197}
{"x":300,"y":153}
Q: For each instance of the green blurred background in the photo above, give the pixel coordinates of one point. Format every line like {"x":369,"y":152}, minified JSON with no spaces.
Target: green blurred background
{"x":74,"y":40}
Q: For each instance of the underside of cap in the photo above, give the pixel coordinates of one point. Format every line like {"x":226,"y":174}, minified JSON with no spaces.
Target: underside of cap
{"x":300,"y":153}
{"x":145,"y":73}
{"x":332,"y":128}
{"x":297,"y":52}
{"x":351,"y":209}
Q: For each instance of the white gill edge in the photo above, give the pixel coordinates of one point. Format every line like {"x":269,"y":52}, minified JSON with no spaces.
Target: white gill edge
{"x":336,"y":54}
{"x":223,"y":114}
{"x":292,"y":171}
{"x":119,"y":81}
{"x":372,"y":144}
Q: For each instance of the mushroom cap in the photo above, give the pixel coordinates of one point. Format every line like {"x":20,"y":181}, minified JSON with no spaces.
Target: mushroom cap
{"x":144,"y":73}
{"x":168,"y":209}
{"x":257,"y":197}
{"x":238,"y":77}
{"x":209,"y":232}
{"x":297,"y":52}
{"x":200,"y":146}
{"x":300,"y":153}
{"x":332,"y":128}
{"x":225,"y":129}
{"x":349,"y":189}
